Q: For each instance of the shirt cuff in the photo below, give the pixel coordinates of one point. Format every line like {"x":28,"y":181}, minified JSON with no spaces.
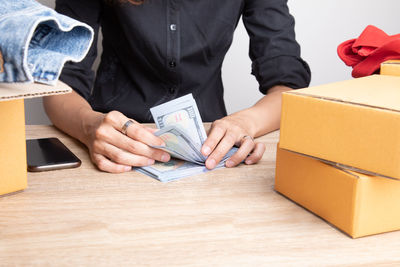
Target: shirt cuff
{"x":282,"y":70}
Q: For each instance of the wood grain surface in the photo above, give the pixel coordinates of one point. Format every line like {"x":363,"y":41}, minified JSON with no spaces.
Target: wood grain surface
{"x":227,"y":217}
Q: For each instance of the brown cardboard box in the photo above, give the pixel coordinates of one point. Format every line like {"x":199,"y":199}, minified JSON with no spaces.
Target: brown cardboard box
{"x":13,"y":173}
{"x":391,"y":67}
{"x":356,"y":203}
{"x":354,"y":123}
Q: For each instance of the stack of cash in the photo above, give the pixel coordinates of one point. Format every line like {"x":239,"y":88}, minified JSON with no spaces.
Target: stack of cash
{"x":182,"y":130}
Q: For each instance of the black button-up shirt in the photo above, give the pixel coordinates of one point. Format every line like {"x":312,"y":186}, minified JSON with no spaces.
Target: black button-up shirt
{"x":164,"y":49}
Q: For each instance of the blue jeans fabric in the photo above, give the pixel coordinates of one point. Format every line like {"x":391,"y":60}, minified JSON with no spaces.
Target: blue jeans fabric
{"x":36,"y":41}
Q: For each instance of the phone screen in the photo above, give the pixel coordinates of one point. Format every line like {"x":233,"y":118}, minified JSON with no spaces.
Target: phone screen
{"x":49,"y":154}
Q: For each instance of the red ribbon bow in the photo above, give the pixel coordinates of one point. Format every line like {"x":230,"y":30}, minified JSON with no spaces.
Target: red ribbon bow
{"x":366,"y":53}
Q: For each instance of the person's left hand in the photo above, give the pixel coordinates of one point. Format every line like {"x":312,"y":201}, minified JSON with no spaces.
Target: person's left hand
{"x":232,"y":130}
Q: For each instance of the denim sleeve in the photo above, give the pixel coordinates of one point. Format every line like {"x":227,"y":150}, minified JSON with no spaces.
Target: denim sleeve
{"x":80,"y":76}
{"x":274,"y":51}
{"x":36,"y":41}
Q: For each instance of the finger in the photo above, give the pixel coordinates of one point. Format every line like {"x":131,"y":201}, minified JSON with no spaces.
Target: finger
{"x":256,"y":155}
{"x":139,"y":148}
{"x":107,"y":165}
{"x":138,"y":132}
{"x":120,"y":156}
{"x":128,"y":144}
{"x":220,"y":151}
{"x":217,"y":132}
{"x":241,"y":154}
{"x":151,"y":130}
{"x":134,"y":130}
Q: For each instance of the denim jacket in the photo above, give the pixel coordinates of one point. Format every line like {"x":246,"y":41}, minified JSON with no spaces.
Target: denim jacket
{"x":36,"y":41}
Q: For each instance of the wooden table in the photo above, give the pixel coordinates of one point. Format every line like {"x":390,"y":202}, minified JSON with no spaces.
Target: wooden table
{"x":228,"y":217}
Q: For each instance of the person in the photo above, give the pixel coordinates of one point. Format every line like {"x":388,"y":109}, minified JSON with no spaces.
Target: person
{"x":158,"y":50}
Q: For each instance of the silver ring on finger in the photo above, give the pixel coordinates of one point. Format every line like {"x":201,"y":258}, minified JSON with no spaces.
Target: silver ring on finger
{"x":124,"y":128}
{"x":247,"y":137}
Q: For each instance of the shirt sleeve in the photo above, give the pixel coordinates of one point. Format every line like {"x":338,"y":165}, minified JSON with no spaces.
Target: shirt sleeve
{"x":80,"y":75}
{"x":274,"y":51}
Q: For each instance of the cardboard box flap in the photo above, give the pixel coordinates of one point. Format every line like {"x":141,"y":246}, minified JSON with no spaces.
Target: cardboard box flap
{"x":11,"y":91}
{"x":343,"y":167}
{"x":378,"y":91}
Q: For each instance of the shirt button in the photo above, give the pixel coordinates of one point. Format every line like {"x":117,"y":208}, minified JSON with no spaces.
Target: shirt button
{"x":172,"y":90}
{"x":172,"y":64}
{"x":172,"y":27}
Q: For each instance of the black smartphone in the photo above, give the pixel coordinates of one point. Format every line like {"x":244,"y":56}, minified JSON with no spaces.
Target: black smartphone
{"x":47,"y":154}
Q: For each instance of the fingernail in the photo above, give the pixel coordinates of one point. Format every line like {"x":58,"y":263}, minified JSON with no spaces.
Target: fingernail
{"x":229,"y":163}
{"x":211,"y":163}
{"x":206,"y":150}
{"x":150,"y":162}
{"x":248,"y":162}
{"x":165,"y":157}
{"x":128,"y":168}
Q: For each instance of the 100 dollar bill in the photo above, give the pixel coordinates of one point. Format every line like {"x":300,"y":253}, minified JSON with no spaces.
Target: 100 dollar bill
{"x":182,"y":113}
{"x":182,"y":130}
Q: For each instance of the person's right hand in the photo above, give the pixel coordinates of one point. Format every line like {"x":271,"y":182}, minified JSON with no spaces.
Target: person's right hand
{"x":113,"y":151}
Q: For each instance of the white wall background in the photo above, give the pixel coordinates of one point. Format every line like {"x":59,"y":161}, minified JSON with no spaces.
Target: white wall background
{"x":320,"y":27}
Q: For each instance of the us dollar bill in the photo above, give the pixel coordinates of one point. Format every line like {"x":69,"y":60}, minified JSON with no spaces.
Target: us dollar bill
{"x":176,"y":168}
{"x":182,"y":113}
{"x":180,"y":145}
{"x":182,"y":130}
